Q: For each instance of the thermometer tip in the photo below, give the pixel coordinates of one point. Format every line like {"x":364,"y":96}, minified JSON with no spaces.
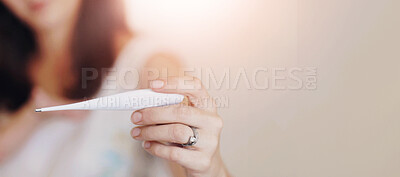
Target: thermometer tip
{"x":38,"y":110}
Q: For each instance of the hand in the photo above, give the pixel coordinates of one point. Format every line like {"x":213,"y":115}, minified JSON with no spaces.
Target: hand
{"x":163,"y":129}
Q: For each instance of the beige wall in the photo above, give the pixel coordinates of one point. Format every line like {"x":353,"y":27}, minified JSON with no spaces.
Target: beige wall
{"x":349,"y":126}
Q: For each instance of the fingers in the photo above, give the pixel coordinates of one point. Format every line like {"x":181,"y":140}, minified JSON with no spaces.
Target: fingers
{"x":173,"y":133}
{"x":172,"y":124}
{"x":189,"y":86}
{"x":173,"y":114}
{"x":185,"y":157}
{"x":176,"y":134}
{"x":186,"y":85}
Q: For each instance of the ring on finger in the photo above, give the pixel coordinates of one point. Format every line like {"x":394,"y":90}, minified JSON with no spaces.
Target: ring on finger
{"x":192,"y":139}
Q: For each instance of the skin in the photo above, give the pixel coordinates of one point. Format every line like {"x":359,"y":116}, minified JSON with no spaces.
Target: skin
{"x":53,"y":22}
{"x":171,"y":125}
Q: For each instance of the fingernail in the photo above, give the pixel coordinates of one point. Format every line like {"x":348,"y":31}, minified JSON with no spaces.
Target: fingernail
{"x":137,"y":117}
{"x":157,"y":84}
{"x":146,"y":145}
{"x":136,"y":132}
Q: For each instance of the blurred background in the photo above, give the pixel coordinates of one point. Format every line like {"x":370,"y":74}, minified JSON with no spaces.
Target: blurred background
{"x":348,"y":126}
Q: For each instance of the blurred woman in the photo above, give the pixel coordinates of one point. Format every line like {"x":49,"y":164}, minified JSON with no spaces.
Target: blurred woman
{"x":45,"y":47}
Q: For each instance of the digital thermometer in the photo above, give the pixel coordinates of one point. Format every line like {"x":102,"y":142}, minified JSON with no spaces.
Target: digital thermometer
{"x":132,"y":100}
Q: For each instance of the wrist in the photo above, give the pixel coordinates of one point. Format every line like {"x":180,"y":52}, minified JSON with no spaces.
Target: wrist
{"x":218,"y":168}
{"x":222,"y":171}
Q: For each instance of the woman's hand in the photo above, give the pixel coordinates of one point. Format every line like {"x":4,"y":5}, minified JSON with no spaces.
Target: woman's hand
{"x":163,"y":129}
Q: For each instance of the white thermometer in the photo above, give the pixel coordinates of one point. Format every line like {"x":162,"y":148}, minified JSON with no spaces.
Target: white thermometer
{"x":132,"y":100}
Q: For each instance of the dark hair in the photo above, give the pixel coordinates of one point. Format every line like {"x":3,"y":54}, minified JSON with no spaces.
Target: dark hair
{"x":92,"y":46}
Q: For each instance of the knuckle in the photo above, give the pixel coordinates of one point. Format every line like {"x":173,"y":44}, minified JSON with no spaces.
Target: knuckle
{"x":180,"y":133}
{"x":157,"y":150}
{"x":204,"y":164}
{"x":150,"y":115}
{"x":175,"y":155}
{"x":146,"y":114}
{"x":183,"y":112}
{"x":144,"y":133}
